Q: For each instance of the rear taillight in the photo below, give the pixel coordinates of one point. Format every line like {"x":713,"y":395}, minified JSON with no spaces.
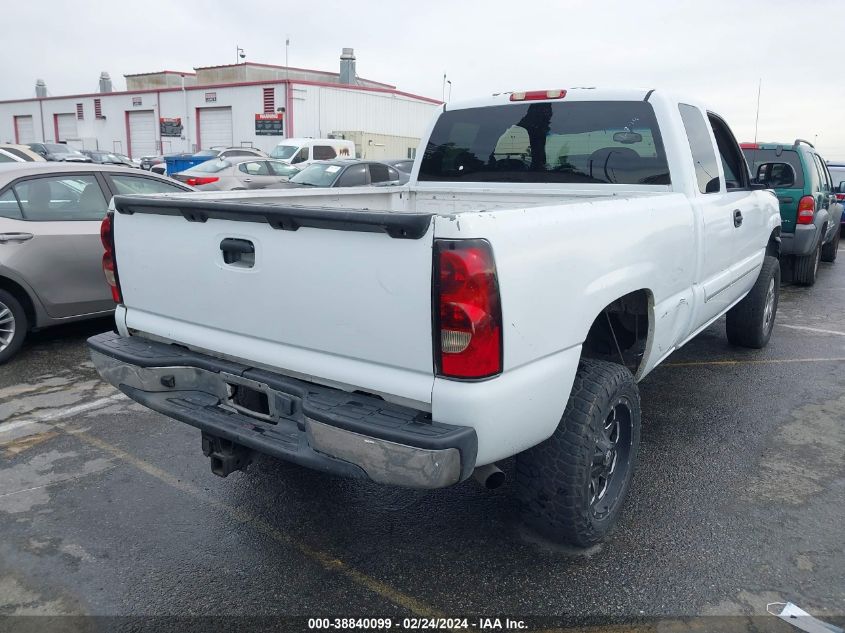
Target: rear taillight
{"x":200,"y":180}
{"x":109,"y":261}
{"x":840,"y":196}
{"x":467,"y":311}
{"x":749,"y":146}
{"x":806,"y":210}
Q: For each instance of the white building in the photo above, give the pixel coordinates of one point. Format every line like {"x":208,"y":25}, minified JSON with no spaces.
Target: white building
{"x":243,"y":104}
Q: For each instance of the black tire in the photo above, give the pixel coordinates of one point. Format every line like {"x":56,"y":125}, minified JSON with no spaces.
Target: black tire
{"x":830,"y":249}
{"x":750,"y":322}
{"x":807,"y":267}
{"x":11,"y":307}
{"x":557,"y":480}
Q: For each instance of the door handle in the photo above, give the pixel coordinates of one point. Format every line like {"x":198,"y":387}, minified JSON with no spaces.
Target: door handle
{"x":240,"y":252}
{"x":247,"y":179}
{"x":15,"y":237}
{"x":737,"y":218}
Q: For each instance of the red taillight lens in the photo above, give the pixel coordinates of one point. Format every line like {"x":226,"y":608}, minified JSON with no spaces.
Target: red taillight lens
{"x":749,"y":146}
{"x":200,"y":180}
{"x":840,"y":196}
{"x":109,"y":262}
{"x":467,"y":311}
{"x":538,"y":95}
{"x":806,"y":210}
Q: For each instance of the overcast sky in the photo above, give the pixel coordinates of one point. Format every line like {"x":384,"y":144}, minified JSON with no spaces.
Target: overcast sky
{"x":713,"y":50}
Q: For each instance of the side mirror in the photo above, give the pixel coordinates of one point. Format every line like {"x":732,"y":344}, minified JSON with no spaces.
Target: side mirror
{"x":841,"y":187}
{"x":776,"y":175}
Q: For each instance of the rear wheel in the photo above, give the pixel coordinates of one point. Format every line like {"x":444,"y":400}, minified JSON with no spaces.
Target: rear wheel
{"x":829,"y":250}
{"x":573,"y":485}
{"x":750,"y":322}
{"x":807,"y":267}
{"x":13,"y":326}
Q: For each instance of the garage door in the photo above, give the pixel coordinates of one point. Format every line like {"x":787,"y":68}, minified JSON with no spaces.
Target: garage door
{"x":215,"y":127}
{"x":142,"y":134}
{"x":24,"y":130}
{"x":66,"y":127}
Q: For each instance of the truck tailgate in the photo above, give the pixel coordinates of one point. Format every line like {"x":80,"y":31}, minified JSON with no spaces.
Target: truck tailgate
{"x":340,"y":296}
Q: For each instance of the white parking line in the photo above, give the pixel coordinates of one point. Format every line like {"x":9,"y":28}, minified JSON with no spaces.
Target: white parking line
{"x":810,"y":329}
{"x":50,"y":416}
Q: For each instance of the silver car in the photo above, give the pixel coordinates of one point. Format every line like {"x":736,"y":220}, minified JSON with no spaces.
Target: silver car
{"x":50,"y":251}
{"x":236,"y":173}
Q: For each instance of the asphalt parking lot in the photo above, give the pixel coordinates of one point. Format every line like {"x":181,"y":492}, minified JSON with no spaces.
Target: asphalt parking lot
{"x":739,"y":500}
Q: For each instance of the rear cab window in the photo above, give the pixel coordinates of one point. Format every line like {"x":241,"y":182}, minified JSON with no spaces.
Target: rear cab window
{"x":610,"y":142}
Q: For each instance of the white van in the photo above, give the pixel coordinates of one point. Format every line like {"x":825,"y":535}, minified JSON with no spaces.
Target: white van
{"x":303,"y":151}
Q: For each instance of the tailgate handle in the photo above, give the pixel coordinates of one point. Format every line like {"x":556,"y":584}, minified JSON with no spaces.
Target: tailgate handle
{"x":238,"y":252}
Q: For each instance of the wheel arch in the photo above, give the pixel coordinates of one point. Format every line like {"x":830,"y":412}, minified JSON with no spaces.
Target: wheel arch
{"x":20,"y":293}
{"x":623,"y":331}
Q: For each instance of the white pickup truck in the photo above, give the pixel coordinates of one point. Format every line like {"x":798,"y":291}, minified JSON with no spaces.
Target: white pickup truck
{"x":550,"y":250}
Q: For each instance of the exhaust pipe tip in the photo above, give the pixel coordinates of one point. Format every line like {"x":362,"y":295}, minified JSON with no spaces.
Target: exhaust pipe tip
{"x":489,"y":476}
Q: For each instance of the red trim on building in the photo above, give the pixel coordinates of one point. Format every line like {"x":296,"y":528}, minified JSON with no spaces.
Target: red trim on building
{"x":55,"y":128}
{"x":15,"y":125}
{"x":238,"y":85}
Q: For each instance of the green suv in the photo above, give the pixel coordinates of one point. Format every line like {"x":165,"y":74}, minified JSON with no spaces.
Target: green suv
{"x":810,"y":213}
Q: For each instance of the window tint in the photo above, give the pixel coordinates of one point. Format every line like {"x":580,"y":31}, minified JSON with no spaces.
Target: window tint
{"x":379,"y":173}
{"x":575,"y":142}
{"x":137,"y":184}
{"x":9,"y":207}
{"x":703,"y":156}
{"x":317,"y":175}
{"x":823,"y":179}
{"x":210,"y":166}
{"x":254,"y":168}
{"x":4,"y":158}
{"x":301,"y":156}
{"x":324,"y":152}
{"x":236,"y":152}
{"x":61,"y":199}
{"x":16,"y":152}
{"x":279,"y":168}
{"x":757,"y":157}
{"x":733,"y":162}
{"x":404,"y":165}
{"x":354,"y":176}
{"x":838,"y":175}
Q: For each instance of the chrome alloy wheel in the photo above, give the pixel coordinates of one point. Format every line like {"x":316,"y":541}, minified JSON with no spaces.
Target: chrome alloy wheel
{"x":7,"y":326}
{"x":611,"y":459}
{"x":769,"y":309}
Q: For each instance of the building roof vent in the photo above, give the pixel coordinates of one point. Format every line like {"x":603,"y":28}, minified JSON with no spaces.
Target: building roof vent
{"x":347,"y":67}
{"x":40,"y":88}
{"x":105,"y":82}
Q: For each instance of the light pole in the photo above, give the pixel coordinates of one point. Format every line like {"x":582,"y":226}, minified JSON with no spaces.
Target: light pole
{"x":239,"y":53}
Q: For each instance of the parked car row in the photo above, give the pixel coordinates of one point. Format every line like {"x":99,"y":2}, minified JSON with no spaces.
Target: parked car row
{"x":50,"y":253}
{"x":810,"y":209}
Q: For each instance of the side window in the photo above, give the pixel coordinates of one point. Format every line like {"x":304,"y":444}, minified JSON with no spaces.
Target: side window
{"x":703,"y":156}
{"x":5,"y":158}
{"x":9,"y":207}
{"x":733,"y":162}
{"x":300,"y":157}
{"x":61,"y":199}
{"x":254,"y":168}
{"x":354,"y":176}
{"x":823,"y":177}
{"x":379,"y":173}
{"x":129,"y":185}
{"x":278,"y":168}
{"x":324,"y":152}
